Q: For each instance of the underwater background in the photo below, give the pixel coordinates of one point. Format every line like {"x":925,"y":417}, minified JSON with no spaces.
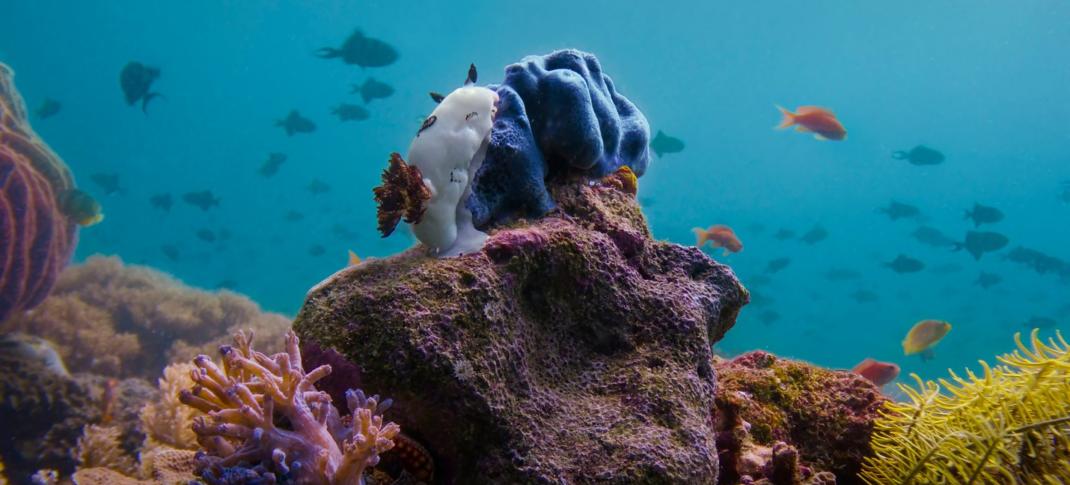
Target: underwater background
{"x":982,"y":82}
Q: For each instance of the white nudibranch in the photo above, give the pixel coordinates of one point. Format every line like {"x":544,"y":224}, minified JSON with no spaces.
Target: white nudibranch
{"x":448,"y":150}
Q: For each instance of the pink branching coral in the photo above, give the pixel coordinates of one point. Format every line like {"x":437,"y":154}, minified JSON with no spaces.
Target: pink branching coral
{"x":265,"y":417}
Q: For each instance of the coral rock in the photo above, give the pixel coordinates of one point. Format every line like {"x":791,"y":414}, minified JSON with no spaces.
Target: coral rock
{"x":572,"y":349}
{"x":36,"y":237}
{"x":558,"y":115}
{"x":826,"y":416}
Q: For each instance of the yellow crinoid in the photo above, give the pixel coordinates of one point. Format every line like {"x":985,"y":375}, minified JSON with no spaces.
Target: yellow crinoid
{"x":1010,"y":424}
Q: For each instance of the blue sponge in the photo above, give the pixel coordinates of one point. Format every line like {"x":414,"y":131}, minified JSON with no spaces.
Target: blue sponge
{"x":558,"y":115}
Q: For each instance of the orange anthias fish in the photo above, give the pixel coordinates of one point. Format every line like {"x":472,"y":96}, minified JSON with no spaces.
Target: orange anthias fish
{"x":819,"y":121}
{"x":353,"y":258}
{"x":879,"y":373}
{"x":721,"y":236}
{"x":924,"y":335}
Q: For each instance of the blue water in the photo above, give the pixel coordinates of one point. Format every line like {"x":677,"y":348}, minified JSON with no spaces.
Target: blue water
{"x":985,"y":82}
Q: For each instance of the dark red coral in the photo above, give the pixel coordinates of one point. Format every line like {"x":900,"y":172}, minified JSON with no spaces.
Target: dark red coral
{"x":36,"y":238}
{"x":402,"y":195}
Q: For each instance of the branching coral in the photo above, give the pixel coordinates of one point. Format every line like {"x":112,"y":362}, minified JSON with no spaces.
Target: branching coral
{"x":402,"y":195}
{"x":118,"y":320}
{"x":1010,"y":424}
{"x":248,"y":398}
{"x":167,"y":421}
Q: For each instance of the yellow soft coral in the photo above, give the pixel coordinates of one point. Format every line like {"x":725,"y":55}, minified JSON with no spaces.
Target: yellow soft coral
{"x":100,"y":447}
{"x":167,"y":421}
{"x":1010,"y":424}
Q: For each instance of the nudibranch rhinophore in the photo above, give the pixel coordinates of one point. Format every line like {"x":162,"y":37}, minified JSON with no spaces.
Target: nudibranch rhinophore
{"x":448,"y":150}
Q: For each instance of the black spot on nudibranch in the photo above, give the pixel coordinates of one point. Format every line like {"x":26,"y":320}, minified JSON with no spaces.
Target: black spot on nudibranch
{"x":471,"y":115}
{"x":427,"y":124}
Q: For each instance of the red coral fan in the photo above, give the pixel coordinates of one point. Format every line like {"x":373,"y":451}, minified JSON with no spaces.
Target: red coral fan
{"x":403,"y":194}
{"x":36,"y":238}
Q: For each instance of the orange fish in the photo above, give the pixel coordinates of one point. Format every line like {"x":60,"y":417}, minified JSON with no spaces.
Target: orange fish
{"x":819,"y":121}
{"x":721,"y":236}
{"x":353,"y":258}
{"x":879,"y":373}
{"x":924,"y":335}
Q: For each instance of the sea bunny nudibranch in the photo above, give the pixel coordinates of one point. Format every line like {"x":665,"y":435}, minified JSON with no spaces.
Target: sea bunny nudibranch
{"x":447,"y":150}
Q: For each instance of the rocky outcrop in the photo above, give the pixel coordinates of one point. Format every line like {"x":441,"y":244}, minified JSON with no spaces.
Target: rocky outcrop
{"x":572,"y":348}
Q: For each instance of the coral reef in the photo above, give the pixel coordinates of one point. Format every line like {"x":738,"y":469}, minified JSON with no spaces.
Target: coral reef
{"x":1009,"y":424}
{"x":100,"y":446}
{"x":159,"y":466}
{"x":249,"y":396}
{"x":117,"y":320}
{"x":558,"y":114}
{"x":166,"y":421}
{"x":570,"y":349}
{"x":37,"y":236}
{"x":402,"y":195}
{"x":826,"y":415}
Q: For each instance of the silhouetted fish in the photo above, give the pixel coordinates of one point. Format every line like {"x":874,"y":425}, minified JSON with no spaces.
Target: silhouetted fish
{"x":227,"y":284}
{"x":905,"y":264}
{"x":203,"y":199}
{"x":363,"y":51}
{"x":206,"y":235}
{"x":350,"y":112}
{"x":768,"y":317}
{"x":864,"y":296}
{"x":784,"y":234}
{"x":1039,"y":262}
{"x":842,"y":274}
{"x":932,"y":236}
{"x":777,"y":264}
{"x":162,"y":202}
{"x":49,"y":108}
{"x":815,"y":235}
{"x":920,"y":155}
{"x":170,"y":251}
{"x":316,"y":250}
{"x":1040,"y":322}
{"x":988,"y":280}
{"x":664,"y":144}
{"x":136,"y":81}
{"x":371,"y":90}
{"x":317,"y":187}
{"x":294,"y":216}
{"x":978,"y":243}
{"x":108,"y":182}
{"x":271,"y":166}
{"x":983,"y":214}
{"x":295,"y":123}
{"x":898,"y":210}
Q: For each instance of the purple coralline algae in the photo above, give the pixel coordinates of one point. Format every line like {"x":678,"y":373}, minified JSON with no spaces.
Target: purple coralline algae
{"x":558,"y":114}
{"x":574,"y":348}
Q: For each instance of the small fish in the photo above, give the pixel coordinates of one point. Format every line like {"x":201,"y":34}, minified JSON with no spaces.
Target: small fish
{"x":294,"y":123}
{"x":663,"y":144}
{"x":294,"y":216}
{"x":1038,"y":261}
{"x":350,"y":112}
{"x":759,"y":300}
{"x":879,"y":373}
{"x":227,"y":284}
{"x":988,"y":280}
{"x":204,"y":199}
{"x":842,"y":274}
{"x":769,"y":317}
{"x":81,"y":207}
{"x":720,"y":236}
{"x":317,"y":187}
{"x":272,"y":164}
{"x":108,"y":182}
{"x":819,"y":121}
{"x":1040,"y":322}
{"x":784,"y":234}
{"x":864,"y":296}
{"x":353,"y":258}
{"x":983,"y":214}
{"x":316,"y":250}
{"x":162,"y":202}
{"x":136,"y":82}
{"x":905,"y":264}
{"x":776,"y":265}
{"x":920,"y":155}
{"x":946,"y":268}
{"x":361,"y":50}
{"x":978,"y":243}
{"x":815,"y":235}
{"x":206,"y":235}
{"x":170,"y":251}
{"x":372,"y":90}
{"x":49,"y":108}
{"x":108,"y":401}
{"x":932,"y":236}
{"x":899,"y":210}
{"x":30,"y":348}
{"x":924,"y":335}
